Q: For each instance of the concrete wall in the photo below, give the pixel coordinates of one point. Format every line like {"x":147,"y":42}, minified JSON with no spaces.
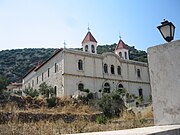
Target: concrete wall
{"x":164,"y":68}
{"x":154,"y":130}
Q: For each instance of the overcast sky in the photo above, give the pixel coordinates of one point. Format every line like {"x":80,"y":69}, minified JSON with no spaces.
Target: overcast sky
{"x":48,"y":23}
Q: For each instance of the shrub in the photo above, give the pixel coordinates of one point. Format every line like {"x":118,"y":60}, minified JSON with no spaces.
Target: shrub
{"x":90,"y":95}
{"x":112,"y":104}
{"x":51,"y":102}
{"x":101,"y":120}
{"x":31,"y":92}
{"x":46,"y":90}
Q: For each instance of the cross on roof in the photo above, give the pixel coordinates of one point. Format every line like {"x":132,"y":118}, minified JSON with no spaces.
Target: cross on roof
{"x":88,"y":28}
{"x":64,"y":44}
{"x":120,"y":36}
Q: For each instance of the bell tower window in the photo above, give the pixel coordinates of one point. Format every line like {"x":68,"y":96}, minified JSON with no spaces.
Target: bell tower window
{"x":125,"y":54}
{"x":93,"y":48}
{"x":86,"y":48}
{"x":120,"y":54}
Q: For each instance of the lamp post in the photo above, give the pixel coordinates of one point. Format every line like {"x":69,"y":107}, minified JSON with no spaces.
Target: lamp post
{"x":167,"y":30}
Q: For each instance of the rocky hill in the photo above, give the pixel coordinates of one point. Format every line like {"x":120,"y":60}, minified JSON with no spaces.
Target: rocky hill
{"x":16,"y":62}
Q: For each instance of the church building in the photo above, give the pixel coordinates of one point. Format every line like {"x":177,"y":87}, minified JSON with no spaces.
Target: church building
{"x":70,"y":71}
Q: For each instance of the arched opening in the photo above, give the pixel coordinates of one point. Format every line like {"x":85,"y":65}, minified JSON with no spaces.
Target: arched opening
{"x":120,"y":54}
{"x":81,"y":86}
{"x":106,"y":88}
{"x":141,"y":94}
{"x":138,"y":73}
{"x":125,"y":54}
{"x":105,"y":68}
{"x":80,"y":65}
{"x":86,"y":48}
{"x":120,"y":86}
{"x":119,"y":70}
{"x":93,"y":48}
{"x":112,"y":69}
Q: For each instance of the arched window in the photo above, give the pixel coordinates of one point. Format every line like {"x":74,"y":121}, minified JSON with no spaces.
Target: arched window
{"x":80,"y":65}
{"x":138,"y":73}
{"x":120,"y":54}
{"x":106,"y":88}
{"x":125,"y":54}
{"x":105,"y":68}
{"x":120,"y":86}
{"x":141,"y":93}
{"x":86,"y":48}
{"x":112,"y":69}
{"x":119,"y":70}
{"x":80,"y":86}
{"x":55,"y":91}
{"x":92,"y":48}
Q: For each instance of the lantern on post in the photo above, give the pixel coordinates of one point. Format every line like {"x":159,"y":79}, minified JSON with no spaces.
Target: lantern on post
{"x":167,"y":30}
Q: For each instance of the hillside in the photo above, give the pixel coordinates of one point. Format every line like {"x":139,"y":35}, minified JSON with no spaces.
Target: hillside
{"x":16,"y":62}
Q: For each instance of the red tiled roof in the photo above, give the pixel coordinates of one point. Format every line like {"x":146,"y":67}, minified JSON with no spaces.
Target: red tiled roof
{"x":89,"y":37}
{"x":121,"y":45}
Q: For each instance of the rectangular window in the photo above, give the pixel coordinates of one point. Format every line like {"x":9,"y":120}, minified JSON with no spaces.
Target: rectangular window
{"x":48,"y":72}
{"x":32,"y":83}
{"x":55,"y":67}
{"x":29,"y":85}
{"x":42,"y":76}
{"x":37,"y":80}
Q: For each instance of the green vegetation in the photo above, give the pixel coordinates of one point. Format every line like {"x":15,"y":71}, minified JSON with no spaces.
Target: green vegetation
{"x":31,"y":92}
{"x":3,"y":83}
{"x":15,"y":63}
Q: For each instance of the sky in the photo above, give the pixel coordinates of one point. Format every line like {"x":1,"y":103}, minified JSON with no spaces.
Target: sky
{"x":48,"y":23}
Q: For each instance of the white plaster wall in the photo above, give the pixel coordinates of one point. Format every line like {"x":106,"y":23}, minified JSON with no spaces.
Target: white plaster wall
{"x":123,"y":53}
{"x":27,"y":81}
{"x":164,"y":68}
{"x":132,"y":72}
{"x":54,"y":79}
{"x":92,"y":65}
{"x":92,"y":76}
{"x":89,"y":46}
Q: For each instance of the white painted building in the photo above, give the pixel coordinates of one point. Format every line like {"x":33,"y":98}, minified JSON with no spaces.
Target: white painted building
{"x":69,"y":71}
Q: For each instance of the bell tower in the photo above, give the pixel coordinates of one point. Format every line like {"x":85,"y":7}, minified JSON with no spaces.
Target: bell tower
{"x":89,"y":43}
{"x":122,"y":50}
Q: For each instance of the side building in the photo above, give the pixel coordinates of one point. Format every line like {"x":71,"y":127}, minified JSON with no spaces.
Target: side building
{"x":70,"y":71}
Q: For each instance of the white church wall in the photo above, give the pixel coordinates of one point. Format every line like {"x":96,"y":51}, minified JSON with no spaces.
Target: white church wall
{"x":54,"y":79}
{"x":92,"y":66}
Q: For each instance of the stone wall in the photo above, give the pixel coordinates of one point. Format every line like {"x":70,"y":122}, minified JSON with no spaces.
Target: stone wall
{"x":164,"y":68}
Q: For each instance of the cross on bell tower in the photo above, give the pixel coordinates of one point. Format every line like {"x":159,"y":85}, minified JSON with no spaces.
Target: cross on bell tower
{"x":89,"y":43}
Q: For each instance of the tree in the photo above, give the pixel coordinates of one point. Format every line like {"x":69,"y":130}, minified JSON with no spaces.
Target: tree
{"x":46,"y":90}
{"x":3,"y":83}
{"x":31,"y":92}
{"x":112,"y":104}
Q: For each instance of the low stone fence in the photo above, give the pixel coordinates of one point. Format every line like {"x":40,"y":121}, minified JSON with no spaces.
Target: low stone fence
{"x":26,"y":117}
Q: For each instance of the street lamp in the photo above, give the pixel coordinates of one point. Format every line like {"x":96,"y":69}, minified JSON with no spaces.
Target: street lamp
{"x":167,"y":30}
